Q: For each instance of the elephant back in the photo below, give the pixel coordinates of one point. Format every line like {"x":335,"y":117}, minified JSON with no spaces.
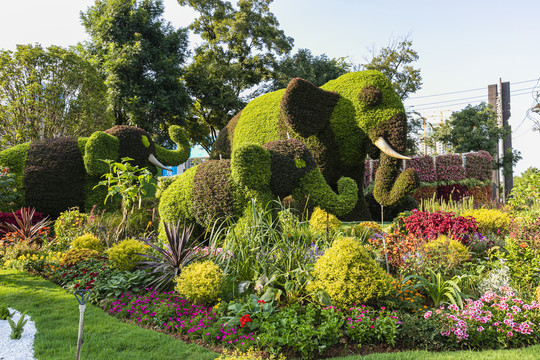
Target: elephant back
{"x":54,"y":176}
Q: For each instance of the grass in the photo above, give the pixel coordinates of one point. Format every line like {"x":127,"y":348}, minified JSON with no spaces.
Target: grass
{"x":56,"y":314}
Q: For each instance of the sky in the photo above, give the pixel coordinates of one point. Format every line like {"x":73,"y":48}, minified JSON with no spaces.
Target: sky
{"x":463,"y":46}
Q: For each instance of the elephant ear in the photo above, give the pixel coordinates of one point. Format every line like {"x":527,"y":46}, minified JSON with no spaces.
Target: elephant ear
{"x":306,"y":108}
{"x":100,"y":146}
{"x":251,"y":167}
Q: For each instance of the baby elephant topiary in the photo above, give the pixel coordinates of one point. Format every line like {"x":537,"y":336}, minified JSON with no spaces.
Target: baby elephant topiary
{"x":349,"y":275}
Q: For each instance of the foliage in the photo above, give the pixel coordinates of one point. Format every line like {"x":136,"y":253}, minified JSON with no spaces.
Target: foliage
{"x":70,"y":224}
{"x":319,"y":218}
{"x":32,"y":260}
{"x":424,"y":167}
{"x":200,"y":282}
{"x":450,"y":168}
{"x":126,"y":254}
{"x":399,"y":247}
{"x":440,"y":290}
{"x":524,"y":265}
{"x":394,"y":62}
{"x":493,"y":321}
{"x":168,"y":261}
{"x":130,"y":183}
{"x":18,"y":328}
{"x":403,"y":298}
{"x":45,"y":190}
{"x":348,"y":274}
{"x":479,"y":165}
{"x":4,"y":312}
{"x":498,"y":278}
{"x":307,"y":331}
{"x":431,"y":225}
{"x":119,"y":282}
{"x":87,"y":241}
{"x":48,"y":93}
{"x":490,"y":220}
{"x":140,"y":55}
{"x":74,"y":256}
{"x":526,"y":190}
{"x":316,"y":69}
{"x":176,"y":200}
{"x":443,"y":254}
{"x":367,"y":326}
{"x":15,"y":159}
{"x":17,"y":249}
{"x":8,"y":190}
{"x":27,"y":229}
{"x":526,"y":230}
{"x":238,"y":50}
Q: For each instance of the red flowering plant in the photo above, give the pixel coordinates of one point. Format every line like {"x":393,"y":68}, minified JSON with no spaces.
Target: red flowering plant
{"x":479,"y":165}
{"x":251,"y":310}
{"x":399,"y":247}
{"x":450,"y":168}
{"x":429,"y":226}
{"x":424,"y":167}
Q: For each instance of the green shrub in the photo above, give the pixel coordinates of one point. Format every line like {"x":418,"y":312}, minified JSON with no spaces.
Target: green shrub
{"x":200,"y":282}
{"x":87,"y":241}
{"x":318,"y":220}
{"x":123,"y":254}
{"x":490,"y":220}
{"x":75,"y":256}
{"x":445,"y":253}
{"x":70,"y":224}
{"x":349,"y":275}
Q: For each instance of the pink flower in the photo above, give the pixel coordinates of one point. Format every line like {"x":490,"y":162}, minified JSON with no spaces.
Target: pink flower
{"x":480,"y":329}
{"x":427,"y":315}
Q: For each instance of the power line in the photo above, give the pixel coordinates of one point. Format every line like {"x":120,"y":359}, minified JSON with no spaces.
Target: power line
{"x":469,"y":90}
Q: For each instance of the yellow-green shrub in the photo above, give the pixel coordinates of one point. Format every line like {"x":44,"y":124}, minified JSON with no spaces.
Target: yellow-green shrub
{"x":366,"y":228}
{"x":318,"y":220}
{"x":490,"y":220}
{"x":123,"y":255}
{"x":445,"y":252}
{"x":74,"y":256}
{"x":200,"y":282}
{"x":349,"y":275}
{"x":87,"y":241}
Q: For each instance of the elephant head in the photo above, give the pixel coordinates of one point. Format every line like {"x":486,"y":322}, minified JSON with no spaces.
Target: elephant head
{"x":129,"y":141}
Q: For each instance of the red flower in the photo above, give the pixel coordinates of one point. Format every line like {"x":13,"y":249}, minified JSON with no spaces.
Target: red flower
{"x":76,"y":286}
{"x":244,"y":320}
{"x":261,"y":302}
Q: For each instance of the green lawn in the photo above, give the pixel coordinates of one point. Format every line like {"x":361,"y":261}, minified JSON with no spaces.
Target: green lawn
{"x":56,"y":314}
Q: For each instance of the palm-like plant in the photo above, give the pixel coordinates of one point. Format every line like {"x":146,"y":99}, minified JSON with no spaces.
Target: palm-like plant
{"x":168,"y":261}
{"x":25,"y":228}
{"x":440,"y":290}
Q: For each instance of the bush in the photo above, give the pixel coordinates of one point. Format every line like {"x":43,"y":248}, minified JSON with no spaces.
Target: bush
{"x":200,"y":282}
{"x":526,"y":230}
{"x":431,"y":225}
{"x":490,"y":220}
{"x":318,"y":220}
{"x":87,"y":241}
{"x":75,"y":256}
{"x":444,"y":254}
{"x":70,"y":224}
{"x":123,"y":255}
{"x":349,"y":275}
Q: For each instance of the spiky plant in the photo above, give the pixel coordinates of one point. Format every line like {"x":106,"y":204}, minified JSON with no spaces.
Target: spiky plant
{"x":25,"y":228}
{"x":168,"y":261}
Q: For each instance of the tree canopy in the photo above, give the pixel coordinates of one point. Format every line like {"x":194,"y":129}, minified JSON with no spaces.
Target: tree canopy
{"x":316,"y":69}
{"x":394,"y":62}
{"x":141,"y":56}
{"x":238,"y":52}
{"x":49,"y":92}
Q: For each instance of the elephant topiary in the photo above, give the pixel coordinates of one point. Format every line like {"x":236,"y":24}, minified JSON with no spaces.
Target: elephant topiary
{"x":224,"y":188}
{"x":340,"y":122}
{"x":55,"y":174}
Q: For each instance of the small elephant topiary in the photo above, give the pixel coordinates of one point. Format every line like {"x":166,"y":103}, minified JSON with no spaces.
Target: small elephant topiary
{"x":224,"y":188}
{"x":56,"y":174}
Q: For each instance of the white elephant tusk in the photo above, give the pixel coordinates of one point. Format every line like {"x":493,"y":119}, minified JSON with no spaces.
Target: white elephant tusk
{"x":152,"y":159}
{"x":387,"y":149}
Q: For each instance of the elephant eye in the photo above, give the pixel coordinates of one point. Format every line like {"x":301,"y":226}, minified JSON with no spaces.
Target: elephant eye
{"x":370,"y":96}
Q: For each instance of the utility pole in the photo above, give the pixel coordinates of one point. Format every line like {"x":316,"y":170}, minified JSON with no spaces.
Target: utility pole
{"x":499,"y":99}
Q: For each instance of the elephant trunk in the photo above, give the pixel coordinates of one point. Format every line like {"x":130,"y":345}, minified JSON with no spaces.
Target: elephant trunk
{"x":391,"y":138}
{"x":321,"y":194}
{"x":166,"y":157}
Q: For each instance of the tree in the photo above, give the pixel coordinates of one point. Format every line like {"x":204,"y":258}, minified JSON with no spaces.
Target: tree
{"x":317,"y":69}
{"x":526,"y":191}
{"x":393,"y":61}
{"x":238,"y":52}
{"x":49,"y":92}
{"x":141,"y":57}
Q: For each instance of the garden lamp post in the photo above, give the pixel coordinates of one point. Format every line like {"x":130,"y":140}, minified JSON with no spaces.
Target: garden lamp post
{"x":81,"y":296}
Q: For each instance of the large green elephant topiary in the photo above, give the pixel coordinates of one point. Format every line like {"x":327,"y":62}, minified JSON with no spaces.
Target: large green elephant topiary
{"x":340,"y":122}
{"x":224,"y":188}
{"x":55,"y":174}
